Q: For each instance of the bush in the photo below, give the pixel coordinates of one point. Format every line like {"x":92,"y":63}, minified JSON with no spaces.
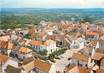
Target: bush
{"x":51,"y":56}
{"x":58,"y":72}
{"x":57,"y":57}
{"x":56,"y":53}
{"x":52,"y":60}
{"x":27,"y":36}
{"x":29,"y":47}
{"x":44,"y":52}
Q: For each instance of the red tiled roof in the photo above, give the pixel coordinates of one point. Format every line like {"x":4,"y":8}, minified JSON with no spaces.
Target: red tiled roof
{"x":39,"y":43}
{"x":36,"y":43}
{"x":3,"y":44}
{"x":97,"y":56}
{"x":24,"y":50}
{"x":3,"y":59}
{"x":90,"y":33}
{"x":81,"y":57}
{"x":41,"y":65}
{"x":42,"y":34}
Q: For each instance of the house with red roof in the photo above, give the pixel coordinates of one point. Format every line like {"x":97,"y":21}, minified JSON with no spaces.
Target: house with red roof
{"x":48,"y":45}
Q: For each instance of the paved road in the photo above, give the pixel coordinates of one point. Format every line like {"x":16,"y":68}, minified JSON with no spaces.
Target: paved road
{"x":60,"y":64}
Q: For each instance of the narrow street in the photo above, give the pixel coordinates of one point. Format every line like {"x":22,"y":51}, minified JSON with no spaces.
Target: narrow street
{"x":63,"y":62}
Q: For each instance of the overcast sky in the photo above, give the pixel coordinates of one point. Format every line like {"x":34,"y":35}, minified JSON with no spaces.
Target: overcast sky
{"x":52,"y":3}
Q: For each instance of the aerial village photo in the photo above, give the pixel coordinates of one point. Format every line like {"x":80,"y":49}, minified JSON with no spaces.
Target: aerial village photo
{"x":51,"y":36}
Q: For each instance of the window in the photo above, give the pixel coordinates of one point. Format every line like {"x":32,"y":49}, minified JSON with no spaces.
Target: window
{"x":51,"y":50}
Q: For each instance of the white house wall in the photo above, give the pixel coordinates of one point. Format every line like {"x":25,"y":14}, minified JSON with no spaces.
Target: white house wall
{"x":52,"y":69}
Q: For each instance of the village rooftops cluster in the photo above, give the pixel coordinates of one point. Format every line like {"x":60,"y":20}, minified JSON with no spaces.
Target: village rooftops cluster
{"x":32,"y":49}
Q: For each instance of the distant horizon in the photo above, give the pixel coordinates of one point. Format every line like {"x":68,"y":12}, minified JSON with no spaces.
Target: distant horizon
{"x":52,"y":8}
{"x":74,"y":4}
